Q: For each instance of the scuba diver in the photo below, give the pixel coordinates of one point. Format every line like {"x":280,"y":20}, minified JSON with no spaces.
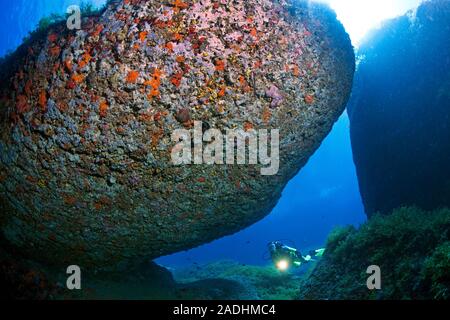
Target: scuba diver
{"x":284,"y":257}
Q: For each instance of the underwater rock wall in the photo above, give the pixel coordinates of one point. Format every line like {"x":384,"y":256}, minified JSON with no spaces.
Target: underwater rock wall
{"x":411,"y":247}
{"x":87,"y":118}
{"x":400,"y":112}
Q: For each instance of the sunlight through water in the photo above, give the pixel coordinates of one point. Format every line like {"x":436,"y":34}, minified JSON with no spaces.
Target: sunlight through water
{"x":360,"y":16}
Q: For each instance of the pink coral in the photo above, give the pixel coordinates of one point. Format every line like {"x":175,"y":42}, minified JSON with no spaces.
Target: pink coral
{"x":274,"y":93}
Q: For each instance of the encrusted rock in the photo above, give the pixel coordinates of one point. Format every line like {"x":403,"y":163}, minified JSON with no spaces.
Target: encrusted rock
{"x":85,"y":173}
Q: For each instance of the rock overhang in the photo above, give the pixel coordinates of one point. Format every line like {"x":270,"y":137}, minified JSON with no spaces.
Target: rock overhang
{"x":87,"y":118}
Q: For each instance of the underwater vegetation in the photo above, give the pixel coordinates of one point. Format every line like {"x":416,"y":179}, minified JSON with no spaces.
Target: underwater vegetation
{"x":86,"y":10}
{"x":400,"y":112}
{"x":256,"y":282}
{"x":411,"y":246}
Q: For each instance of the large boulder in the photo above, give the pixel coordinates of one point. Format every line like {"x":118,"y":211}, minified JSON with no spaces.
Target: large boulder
{"x":86,"y":175}
{"x":400,"y":112}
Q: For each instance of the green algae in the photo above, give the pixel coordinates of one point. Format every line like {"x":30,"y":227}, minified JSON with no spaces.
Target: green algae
{"x":259,"y":282}
{"x":410,"y":246}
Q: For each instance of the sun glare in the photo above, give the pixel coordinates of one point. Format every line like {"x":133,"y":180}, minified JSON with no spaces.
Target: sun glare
{"x":360,"y":16}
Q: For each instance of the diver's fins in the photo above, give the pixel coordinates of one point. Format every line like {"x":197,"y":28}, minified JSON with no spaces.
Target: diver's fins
{"x":317,"y":253}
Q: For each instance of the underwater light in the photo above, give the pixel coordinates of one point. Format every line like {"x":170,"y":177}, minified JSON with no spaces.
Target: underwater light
{"x":282,"y":265}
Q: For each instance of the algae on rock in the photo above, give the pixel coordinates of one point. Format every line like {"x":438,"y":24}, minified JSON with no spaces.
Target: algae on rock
{"x":410,"y":246}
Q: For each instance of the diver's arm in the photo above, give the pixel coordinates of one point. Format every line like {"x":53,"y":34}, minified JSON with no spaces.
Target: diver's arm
{"x":313,"y":254}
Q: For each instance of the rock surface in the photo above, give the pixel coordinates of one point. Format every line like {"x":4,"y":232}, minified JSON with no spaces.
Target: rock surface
{"x":87,"y":118}
{"x":400,"y":112}
{"x":411,"y":247}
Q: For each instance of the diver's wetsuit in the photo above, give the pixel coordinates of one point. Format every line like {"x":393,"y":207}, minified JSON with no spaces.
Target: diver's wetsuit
{"x":290,"y":256}
{"x":279,"y":251}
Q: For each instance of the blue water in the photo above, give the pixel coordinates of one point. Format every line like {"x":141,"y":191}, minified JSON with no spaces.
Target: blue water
{"x":18,"y":17}
{"x":322,"y":196}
